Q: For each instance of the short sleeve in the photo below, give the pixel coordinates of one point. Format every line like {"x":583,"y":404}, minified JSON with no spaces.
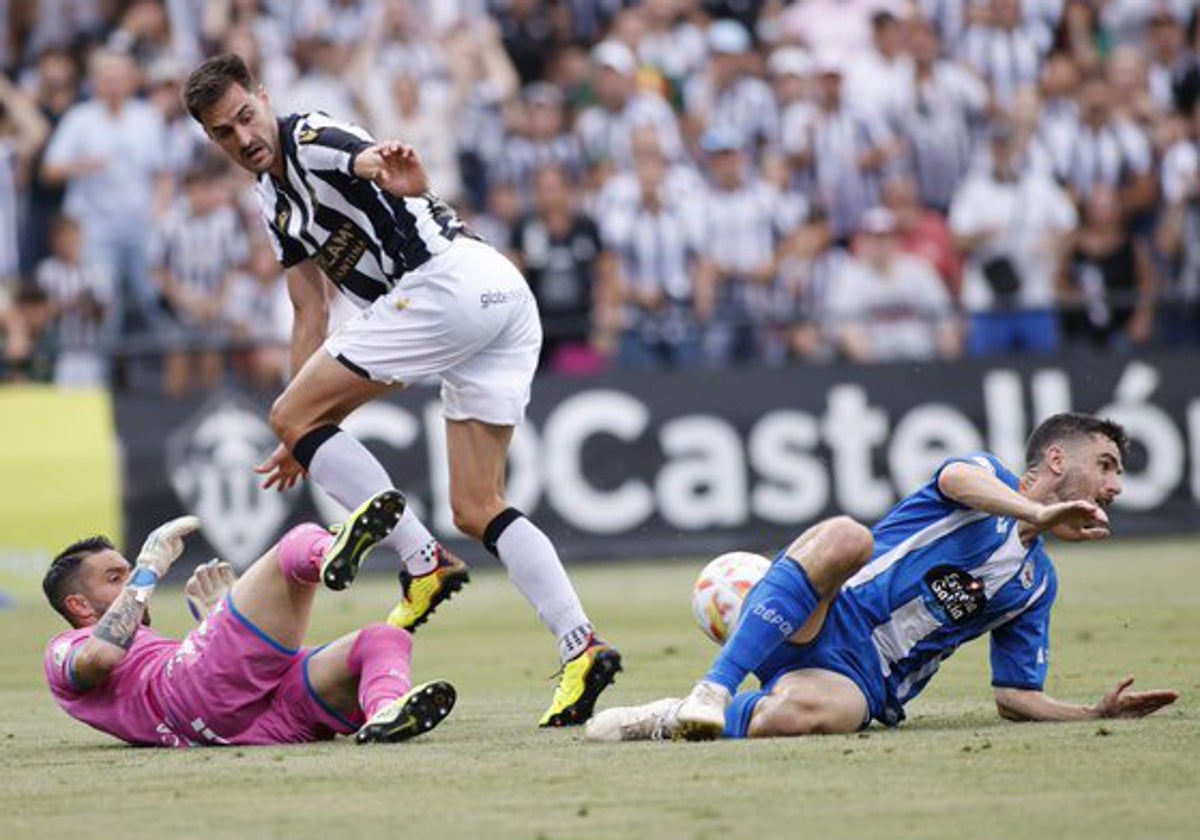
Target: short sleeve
{"x":325,"y":144}
{"x":986,"y":460}
{"x":1020,"y":649}
{"x":59,"y":655}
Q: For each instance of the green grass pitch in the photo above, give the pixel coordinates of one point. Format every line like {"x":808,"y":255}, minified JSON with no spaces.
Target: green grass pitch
{"x":954,"y":770}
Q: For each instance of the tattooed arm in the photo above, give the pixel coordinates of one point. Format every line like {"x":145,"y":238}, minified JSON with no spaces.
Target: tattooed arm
{"x":96,"y":658}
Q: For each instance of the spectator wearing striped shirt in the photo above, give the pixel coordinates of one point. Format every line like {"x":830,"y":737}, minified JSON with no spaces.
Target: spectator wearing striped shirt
{"x":660,"y":292}
{"x":745,"y":223}
{"x":605,"y":129}
{"x":1007,"y":50}
{"x":727,"y":97}
{"x":195,"y":249}
{"x":944,"y":108}
{"x":436,"y":302}
{"x":848,"y":153}
{"x":542,"y":139}
{"x":259,"y":316}
{"x":1178,"y":237}
{"x":1099,"y":148}
{"x":78,"y":294}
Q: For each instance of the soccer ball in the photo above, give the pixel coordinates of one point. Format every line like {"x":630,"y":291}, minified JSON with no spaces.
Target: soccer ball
{"x":720,"y":589}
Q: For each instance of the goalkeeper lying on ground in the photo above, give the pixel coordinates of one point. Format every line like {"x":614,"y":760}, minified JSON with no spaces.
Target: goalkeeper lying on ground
{"x":241,"y":676}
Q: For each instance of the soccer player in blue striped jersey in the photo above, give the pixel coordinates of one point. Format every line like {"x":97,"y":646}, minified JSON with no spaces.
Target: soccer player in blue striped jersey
{"x":434,"y":301}
{"x":850,"y":624}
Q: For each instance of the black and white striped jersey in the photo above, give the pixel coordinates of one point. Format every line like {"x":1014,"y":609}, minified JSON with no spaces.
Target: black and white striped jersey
{"x":1008,"y":59}
{"x":363,"y":238}
{"x":85,"y":292}
{"x":198,"y":250}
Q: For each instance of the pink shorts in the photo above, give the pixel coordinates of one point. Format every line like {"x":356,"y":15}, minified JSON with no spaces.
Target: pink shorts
{"x":231,"y":683}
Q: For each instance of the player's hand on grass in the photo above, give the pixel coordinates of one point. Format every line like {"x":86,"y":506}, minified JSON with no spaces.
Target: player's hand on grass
{"x":1073,"y":521}
{"x":165,"y":543}
{"x":283,"y":471}
{"x":394,"y":167}
{"x":1120,"y":703}
{"x":209,"y":583}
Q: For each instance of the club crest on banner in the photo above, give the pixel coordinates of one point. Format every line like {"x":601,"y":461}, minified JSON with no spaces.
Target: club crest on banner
{"x":210,"y":461}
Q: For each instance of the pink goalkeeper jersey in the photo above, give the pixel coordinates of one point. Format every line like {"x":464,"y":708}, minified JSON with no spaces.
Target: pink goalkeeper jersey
{"x":128,"y":704}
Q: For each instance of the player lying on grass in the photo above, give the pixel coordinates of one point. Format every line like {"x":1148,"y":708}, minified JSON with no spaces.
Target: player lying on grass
{"x":241,"y":676}
{"x":848,"y":625}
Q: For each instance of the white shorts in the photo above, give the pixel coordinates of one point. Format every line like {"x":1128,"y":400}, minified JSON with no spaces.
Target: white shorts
{"x":466,"y":316}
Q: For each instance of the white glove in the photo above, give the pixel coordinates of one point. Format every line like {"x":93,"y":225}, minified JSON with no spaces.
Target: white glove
{"x":165,"y":543}
{"x":208,"y":584}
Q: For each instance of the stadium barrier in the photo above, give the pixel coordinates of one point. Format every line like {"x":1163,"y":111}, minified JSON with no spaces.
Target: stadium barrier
{"x":687,"y":465}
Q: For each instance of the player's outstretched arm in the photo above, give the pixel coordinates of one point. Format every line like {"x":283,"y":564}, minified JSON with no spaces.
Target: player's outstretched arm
{"x":114,"y":633}
{"x":977,"y":488}
{"x":1024,"y":705}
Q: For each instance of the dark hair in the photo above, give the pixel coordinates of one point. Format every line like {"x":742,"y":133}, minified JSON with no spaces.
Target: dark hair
{"x":1072,"y":425}
{"x":59,"y":581}
{"x":208,"y":82}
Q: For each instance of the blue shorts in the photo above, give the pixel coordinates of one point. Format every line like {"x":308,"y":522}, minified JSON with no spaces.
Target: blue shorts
{"x":843,"y":646}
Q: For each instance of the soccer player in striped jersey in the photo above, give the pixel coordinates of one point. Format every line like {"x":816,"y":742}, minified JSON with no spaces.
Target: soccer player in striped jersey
{"x":848,"y":624}
{"x":435,"y":301}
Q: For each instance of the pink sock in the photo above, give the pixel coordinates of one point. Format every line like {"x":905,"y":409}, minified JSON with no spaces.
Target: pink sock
{"x":381,"y":656}
{"x":301,"y":551}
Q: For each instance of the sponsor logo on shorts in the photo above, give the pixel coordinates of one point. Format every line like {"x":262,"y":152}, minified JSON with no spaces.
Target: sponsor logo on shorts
{"x":501,"y":297}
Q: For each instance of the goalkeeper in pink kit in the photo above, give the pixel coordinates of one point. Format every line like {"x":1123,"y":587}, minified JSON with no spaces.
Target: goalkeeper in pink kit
{"x":242,"y":676}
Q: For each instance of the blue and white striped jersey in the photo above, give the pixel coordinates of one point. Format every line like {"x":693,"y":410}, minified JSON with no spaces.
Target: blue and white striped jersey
{"x":943,"y":574}
{"x":362,"y":237}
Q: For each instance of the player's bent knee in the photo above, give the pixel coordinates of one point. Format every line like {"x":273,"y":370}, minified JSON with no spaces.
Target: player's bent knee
{"x":804,"y":712}
{"x":850,"y":543}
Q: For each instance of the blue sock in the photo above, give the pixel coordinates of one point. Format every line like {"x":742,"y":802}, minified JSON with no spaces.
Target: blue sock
{"x":737,"y":716}
{"x":773,"y":610}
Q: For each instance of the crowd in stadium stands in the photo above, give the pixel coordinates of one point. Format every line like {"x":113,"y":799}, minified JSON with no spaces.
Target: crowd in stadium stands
{"x":683,"y":182}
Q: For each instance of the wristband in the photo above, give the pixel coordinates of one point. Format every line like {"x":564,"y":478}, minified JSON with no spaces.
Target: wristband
{"x":142,"y":582}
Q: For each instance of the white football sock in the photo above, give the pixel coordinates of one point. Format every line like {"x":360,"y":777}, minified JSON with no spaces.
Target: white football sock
{"x":347,"y":471}
{"x":534,"y":567}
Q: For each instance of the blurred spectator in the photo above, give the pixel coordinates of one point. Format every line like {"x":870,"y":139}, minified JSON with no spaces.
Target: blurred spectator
{"x":542,"y":139}
{"x":941,"y":110}
{"x":258,"y":312}
{"x":841,"y":28}
{"x":79,"y":295}
{"x":604,"y":129}
{"x":670,"y":42}
{"x":144,"y":33}
{"x":558,"y":249}
{"x":44,"y":24}
{"x":322,"y":82}
{"x":1006,"y":49}
{"x":727,"y":97}
{"x":923,"y":233}
{"x":887,"y":306}
{"x":22,"y":132}
{"x":1013,"y":225}
{"x":480,"y":133}
{"x":112,"y":146}
{"x":1174,"y":82}
{"x":502,"y":211}
{"x":1109,"y":290}
{"x":745,"y":221}
{"x":1178,"y":236}
{"x":55,"y":89}
{"x":196,"y":248}
{"x":1126,"y":21}
{"x":660,"y":292}
{"x":183,"y":140}
{"x":1100,"y":149}
{"x":847,"y":152}
{"x":528,"y":35}
{"x":879,"y":81}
